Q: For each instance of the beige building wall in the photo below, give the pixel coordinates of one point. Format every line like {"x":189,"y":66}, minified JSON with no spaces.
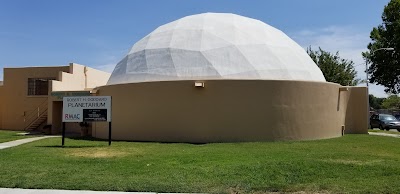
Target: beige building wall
{"x":357,"y":111}
{"x":1,"y":105}
{"x":224,"y":111}
{"x":79,"y":78}
{"x":96,"y":78}
{"x":176,"y":111}
{"x":15,"y":102}
{"x":55,"y":117}
{"x":17,"y":107}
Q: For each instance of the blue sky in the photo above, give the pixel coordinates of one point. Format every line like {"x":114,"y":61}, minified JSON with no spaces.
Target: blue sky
{"x":99,"y":33}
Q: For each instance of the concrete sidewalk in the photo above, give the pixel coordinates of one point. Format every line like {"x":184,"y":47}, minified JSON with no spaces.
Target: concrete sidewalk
{"x":384,"y":134}
{"x":21,"y":141}
{"x":49,"y":191}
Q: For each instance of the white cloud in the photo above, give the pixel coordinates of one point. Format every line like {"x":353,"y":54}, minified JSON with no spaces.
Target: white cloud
{"x":306,"y":33}
{"x":348,"y":41}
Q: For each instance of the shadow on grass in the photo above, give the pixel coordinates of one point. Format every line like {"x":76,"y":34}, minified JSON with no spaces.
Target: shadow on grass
{"x":27,"y":133}
{"x":78,"y":146}
{"x":94,"y":139}
{"x":87,"y":138}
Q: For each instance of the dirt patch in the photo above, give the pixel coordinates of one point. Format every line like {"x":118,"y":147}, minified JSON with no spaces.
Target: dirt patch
{"x":97,"y":153}
{"x":239,"y":191}
{"x":353,"y":162}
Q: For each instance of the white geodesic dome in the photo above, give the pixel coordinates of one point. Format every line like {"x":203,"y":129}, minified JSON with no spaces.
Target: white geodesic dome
{"x":215,"y":46}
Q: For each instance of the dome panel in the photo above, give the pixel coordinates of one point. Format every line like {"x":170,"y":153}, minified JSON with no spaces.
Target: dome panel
{"x":138,"y":61}
{"x":140,"y":45}
{"x":228,"y":61}
{"x":159,"y":40}
{"x":159,"y":62}
{"x":251,"y":52}
{"x":215,"y":46}
{"x":185,"y":61}
{"x":210,"y":41}
{"x":187,"y":39}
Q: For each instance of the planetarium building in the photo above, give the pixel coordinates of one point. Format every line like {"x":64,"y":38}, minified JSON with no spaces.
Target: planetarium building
{"x":218,"y":77}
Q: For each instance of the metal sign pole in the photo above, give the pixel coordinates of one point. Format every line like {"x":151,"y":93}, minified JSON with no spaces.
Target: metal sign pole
{"x":109,"y":124}
{"x":63,"y":133}
{"x":109,"y":133}
{"x":87,"y":109}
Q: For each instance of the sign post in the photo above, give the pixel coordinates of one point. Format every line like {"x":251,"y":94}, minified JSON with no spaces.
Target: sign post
{"x":87,"y":109}
{"x":109,"y":133}
{"x":63,"y":133}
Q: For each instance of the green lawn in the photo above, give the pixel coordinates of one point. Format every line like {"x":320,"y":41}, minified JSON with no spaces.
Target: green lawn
{"x":350,"y":164}
{"x":12,"y":135}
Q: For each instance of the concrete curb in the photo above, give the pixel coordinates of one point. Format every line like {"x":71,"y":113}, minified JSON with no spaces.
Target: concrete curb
{"x":384,"y":134}
{"x":21,"y":141}
{"x":50,"y":191}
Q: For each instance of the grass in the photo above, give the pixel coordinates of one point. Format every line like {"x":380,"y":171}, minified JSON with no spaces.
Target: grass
{"x":350,"y":164}
{"x":6,"y":136}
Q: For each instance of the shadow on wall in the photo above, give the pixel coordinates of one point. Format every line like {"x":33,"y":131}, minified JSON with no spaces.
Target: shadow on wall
{"x":357,"y":111}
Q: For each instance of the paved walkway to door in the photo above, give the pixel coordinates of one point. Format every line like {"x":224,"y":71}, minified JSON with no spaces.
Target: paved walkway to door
{"x":21,"y":141}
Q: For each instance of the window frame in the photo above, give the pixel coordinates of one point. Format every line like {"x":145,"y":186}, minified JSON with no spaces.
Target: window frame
{"x":38,"y":86}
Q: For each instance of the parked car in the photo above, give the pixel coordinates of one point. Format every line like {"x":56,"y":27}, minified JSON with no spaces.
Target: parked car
{"x":384,"y":121}
{"x":397,"y":117}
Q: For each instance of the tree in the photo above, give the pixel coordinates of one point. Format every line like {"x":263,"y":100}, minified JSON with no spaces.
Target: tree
{"x":385,"y":65}
{"x":334,"y":68}
{"x":374,"y":102}
{"x":391,"y":102}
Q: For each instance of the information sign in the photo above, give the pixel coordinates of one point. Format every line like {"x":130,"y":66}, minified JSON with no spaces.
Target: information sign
{"x":86,"y":109}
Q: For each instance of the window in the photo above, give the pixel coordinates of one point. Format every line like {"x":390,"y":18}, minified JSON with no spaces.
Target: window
{"x":388,"y":118}
{"x":38,"y":86}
